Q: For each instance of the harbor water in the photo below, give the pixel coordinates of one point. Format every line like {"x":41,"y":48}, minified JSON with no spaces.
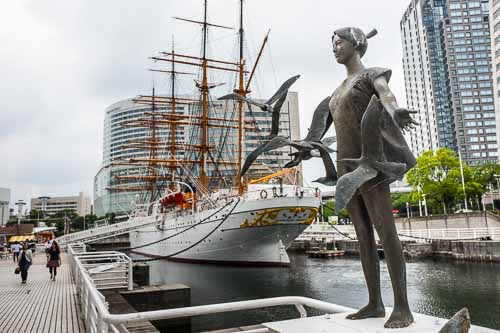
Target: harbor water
{"x":438,"y":288}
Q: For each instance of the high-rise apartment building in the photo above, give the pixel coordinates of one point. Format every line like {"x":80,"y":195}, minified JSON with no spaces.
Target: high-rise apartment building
{"x":117,"y":139}
{"x":447,"y":43}
{"x":495,"y":57}
{"x":424,"y":70}
{"x":468,"y":47}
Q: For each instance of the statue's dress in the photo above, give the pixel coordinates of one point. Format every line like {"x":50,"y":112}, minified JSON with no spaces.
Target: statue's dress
{"x":359,"y":137}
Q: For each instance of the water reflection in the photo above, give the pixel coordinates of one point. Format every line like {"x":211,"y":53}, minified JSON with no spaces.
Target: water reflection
{"x":434,"y":287}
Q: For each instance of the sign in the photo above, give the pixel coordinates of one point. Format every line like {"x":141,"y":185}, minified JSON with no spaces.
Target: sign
{"x":395,"y":211}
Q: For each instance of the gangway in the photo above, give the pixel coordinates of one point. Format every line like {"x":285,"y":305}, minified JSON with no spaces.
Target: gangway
{"x":106,"y":231}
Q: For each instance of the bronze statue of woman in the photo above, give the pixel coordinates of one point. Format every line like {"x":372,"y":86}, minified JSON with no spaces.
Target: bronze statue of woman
{"x":370,"y":205}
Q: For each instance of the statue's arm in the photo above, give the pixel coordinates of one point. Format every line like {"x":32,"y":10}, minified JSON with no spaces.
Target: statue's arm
{"x":401,"y":116}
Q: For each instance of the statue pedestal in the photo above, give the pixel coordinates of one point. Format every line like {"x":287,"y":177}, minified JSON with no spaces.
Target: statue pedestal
{"x":338,"y":323}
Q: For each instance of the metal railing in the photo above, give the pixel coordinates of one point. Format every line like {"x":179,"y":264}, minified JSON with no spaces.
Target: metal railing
{"x":97,"y":318}
{"x":104,"y":232}
{"x":452,"y":233}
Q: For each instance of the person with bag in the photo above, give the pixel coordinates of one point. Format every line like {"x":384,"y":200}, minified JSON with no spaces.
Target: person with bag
{"x":25,"y":259}
{"x":53,"y":259}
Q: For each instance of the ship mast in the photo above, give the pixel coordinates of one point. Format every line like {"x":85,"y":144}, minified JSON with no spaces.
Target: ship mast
{"x":242,"y":91}
{"x":153,"y":149}
{"x":204,"y":93}
{"x":173,"y":127}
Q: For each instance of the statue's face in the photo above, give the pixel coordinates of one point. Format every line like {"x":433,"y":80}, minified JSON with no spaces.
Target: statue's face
{"x":343,"y":49}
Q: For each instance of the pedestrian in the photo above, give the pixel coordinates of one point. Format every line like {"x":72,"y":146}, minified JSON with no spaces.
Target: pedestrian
{"x":15,"y":248}
{"x":54,"y":259}
{"x":25,"y":259}
{"x":33,"y":248}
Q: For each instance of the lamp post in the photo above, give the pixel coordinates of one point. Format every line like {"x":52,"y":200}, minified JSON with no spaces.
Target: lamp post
{"x":463,"y":183}
{"x":19,"y":204}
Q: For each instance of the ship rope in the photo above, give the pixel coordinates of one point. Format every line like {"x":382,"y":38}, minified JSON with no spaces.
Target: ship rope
{"x":180,"y":232}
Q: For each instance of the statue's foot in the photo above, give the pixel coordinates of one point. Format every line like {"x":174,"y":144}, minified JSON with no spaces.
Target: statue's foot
{"x":399,"y":319}
{"x":369,"y":311}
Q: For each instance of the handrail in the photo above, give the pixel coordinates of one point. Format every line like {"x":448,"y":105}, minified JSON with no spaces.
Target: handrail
{"x":98,"y":319}
{"x":452,"y":233}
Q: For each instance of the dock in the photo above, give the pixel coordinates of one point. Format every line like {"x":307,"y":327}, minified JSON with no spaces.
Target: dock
{"x":325,"y":253}
{"x":40,"y":305}
{"x":75,"y":303}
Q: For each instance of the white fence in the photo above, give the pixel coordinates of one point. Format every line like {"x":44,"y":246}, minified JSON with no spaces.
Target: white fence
{"x":452,"y":234}
{"x":98,"y":319}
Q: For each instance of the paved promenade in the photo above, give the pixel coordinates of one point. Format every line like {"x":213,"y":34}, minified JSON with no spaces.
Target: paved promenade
{"x":40,"y":305}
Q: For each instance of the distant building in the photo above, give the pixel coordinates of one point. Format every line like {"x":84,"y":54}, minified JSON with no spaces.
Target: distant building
{"x":117,"y":140}
{"x":424,"y":68}
{"x":495,"y":56}
{"x":448,"y":77}
{"x":80,"y":203}
{"x":4,"y":205}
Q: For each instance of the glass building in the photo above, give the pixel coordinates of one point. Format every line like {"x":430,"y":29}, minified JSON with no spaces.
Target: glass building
{"x":468,"y":48}
{"x":447,"y":66}
{"x":421,"y":63}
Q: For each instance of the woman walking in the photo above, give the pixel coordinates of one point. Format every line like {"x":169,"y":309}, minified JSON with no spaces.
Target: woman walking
{"x":53,"y":259}
{"x":25,"y":262}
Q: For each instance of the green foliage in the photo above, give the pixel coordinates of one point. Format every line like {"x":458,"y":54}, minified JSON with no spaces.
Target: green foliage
{"x":79,"y":223}
{"x":329,"y":210}
{"x":437,"y":175}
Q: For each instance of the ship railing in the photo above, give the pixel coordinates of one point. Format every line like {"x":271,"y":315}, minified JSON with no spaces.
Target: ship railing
{"x":95,"y":312}
{"x":290,"y":191}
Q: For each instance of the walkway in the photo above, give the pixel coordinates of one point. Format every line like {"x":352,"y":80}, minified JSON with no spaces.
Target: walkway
{"x":40,"y":305}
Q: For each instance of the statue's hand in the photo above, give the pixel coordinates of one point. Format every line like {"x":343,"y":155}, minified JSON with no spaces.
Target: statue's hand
{"x":402,"y":118}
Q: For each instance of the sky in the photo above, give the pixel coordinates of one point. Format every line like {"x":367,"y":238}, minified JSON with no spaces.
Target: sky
{"x":63,"y":62}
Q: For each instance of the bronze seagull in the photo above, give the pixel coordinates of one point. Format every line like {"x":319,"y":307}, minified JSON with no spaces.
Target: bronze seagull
{"x":311,"y":146}
{"x":278,"y":98}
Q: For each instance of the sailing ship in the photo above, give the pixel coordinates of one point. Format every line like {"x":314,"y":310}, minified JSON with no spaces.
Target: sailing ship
{"x":198,"y":206}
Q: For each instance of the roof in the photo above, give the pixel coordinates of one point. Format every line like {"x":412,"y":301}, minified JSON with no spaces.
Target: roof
{"x":21,"y":238}
{"x":42,"y":229}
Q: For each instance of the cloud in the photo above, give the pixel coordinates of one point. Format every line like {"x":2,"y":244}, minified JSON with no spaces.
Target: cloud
{"x":63,"y":63}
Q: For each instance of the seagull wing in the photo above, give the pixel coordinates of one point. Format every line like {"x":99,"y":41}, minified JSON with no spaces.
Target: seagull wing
{"x":329,"y":141}
{"x":283,"y":89}
{"x":276,"y":116}
{"x":274,"y":143}
{"x":331,"y":171}
{"x":349,"y":183}
{"x":235,"y":96}
{"x":322,"y":119}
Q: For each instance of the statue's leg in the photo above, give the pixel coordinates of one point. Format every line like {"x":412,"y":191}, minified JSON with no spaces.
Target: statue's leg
{"x":369,"y":260}
{"x":379,"y":206}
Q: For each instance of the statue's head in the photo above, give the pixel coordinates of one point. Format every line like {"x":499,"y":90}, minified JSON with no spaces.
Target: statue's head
{"x":347,"y":42}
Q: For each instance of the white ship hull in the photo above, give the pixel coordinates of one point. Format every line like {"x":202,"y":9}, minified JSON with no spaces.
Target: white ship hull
{"x":239,"y":231}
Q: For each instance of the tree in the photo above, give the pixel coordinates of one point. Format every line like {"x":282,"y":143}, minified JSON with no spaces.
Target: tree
{"x":438,"y":175}
{"x":485,"y":174}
